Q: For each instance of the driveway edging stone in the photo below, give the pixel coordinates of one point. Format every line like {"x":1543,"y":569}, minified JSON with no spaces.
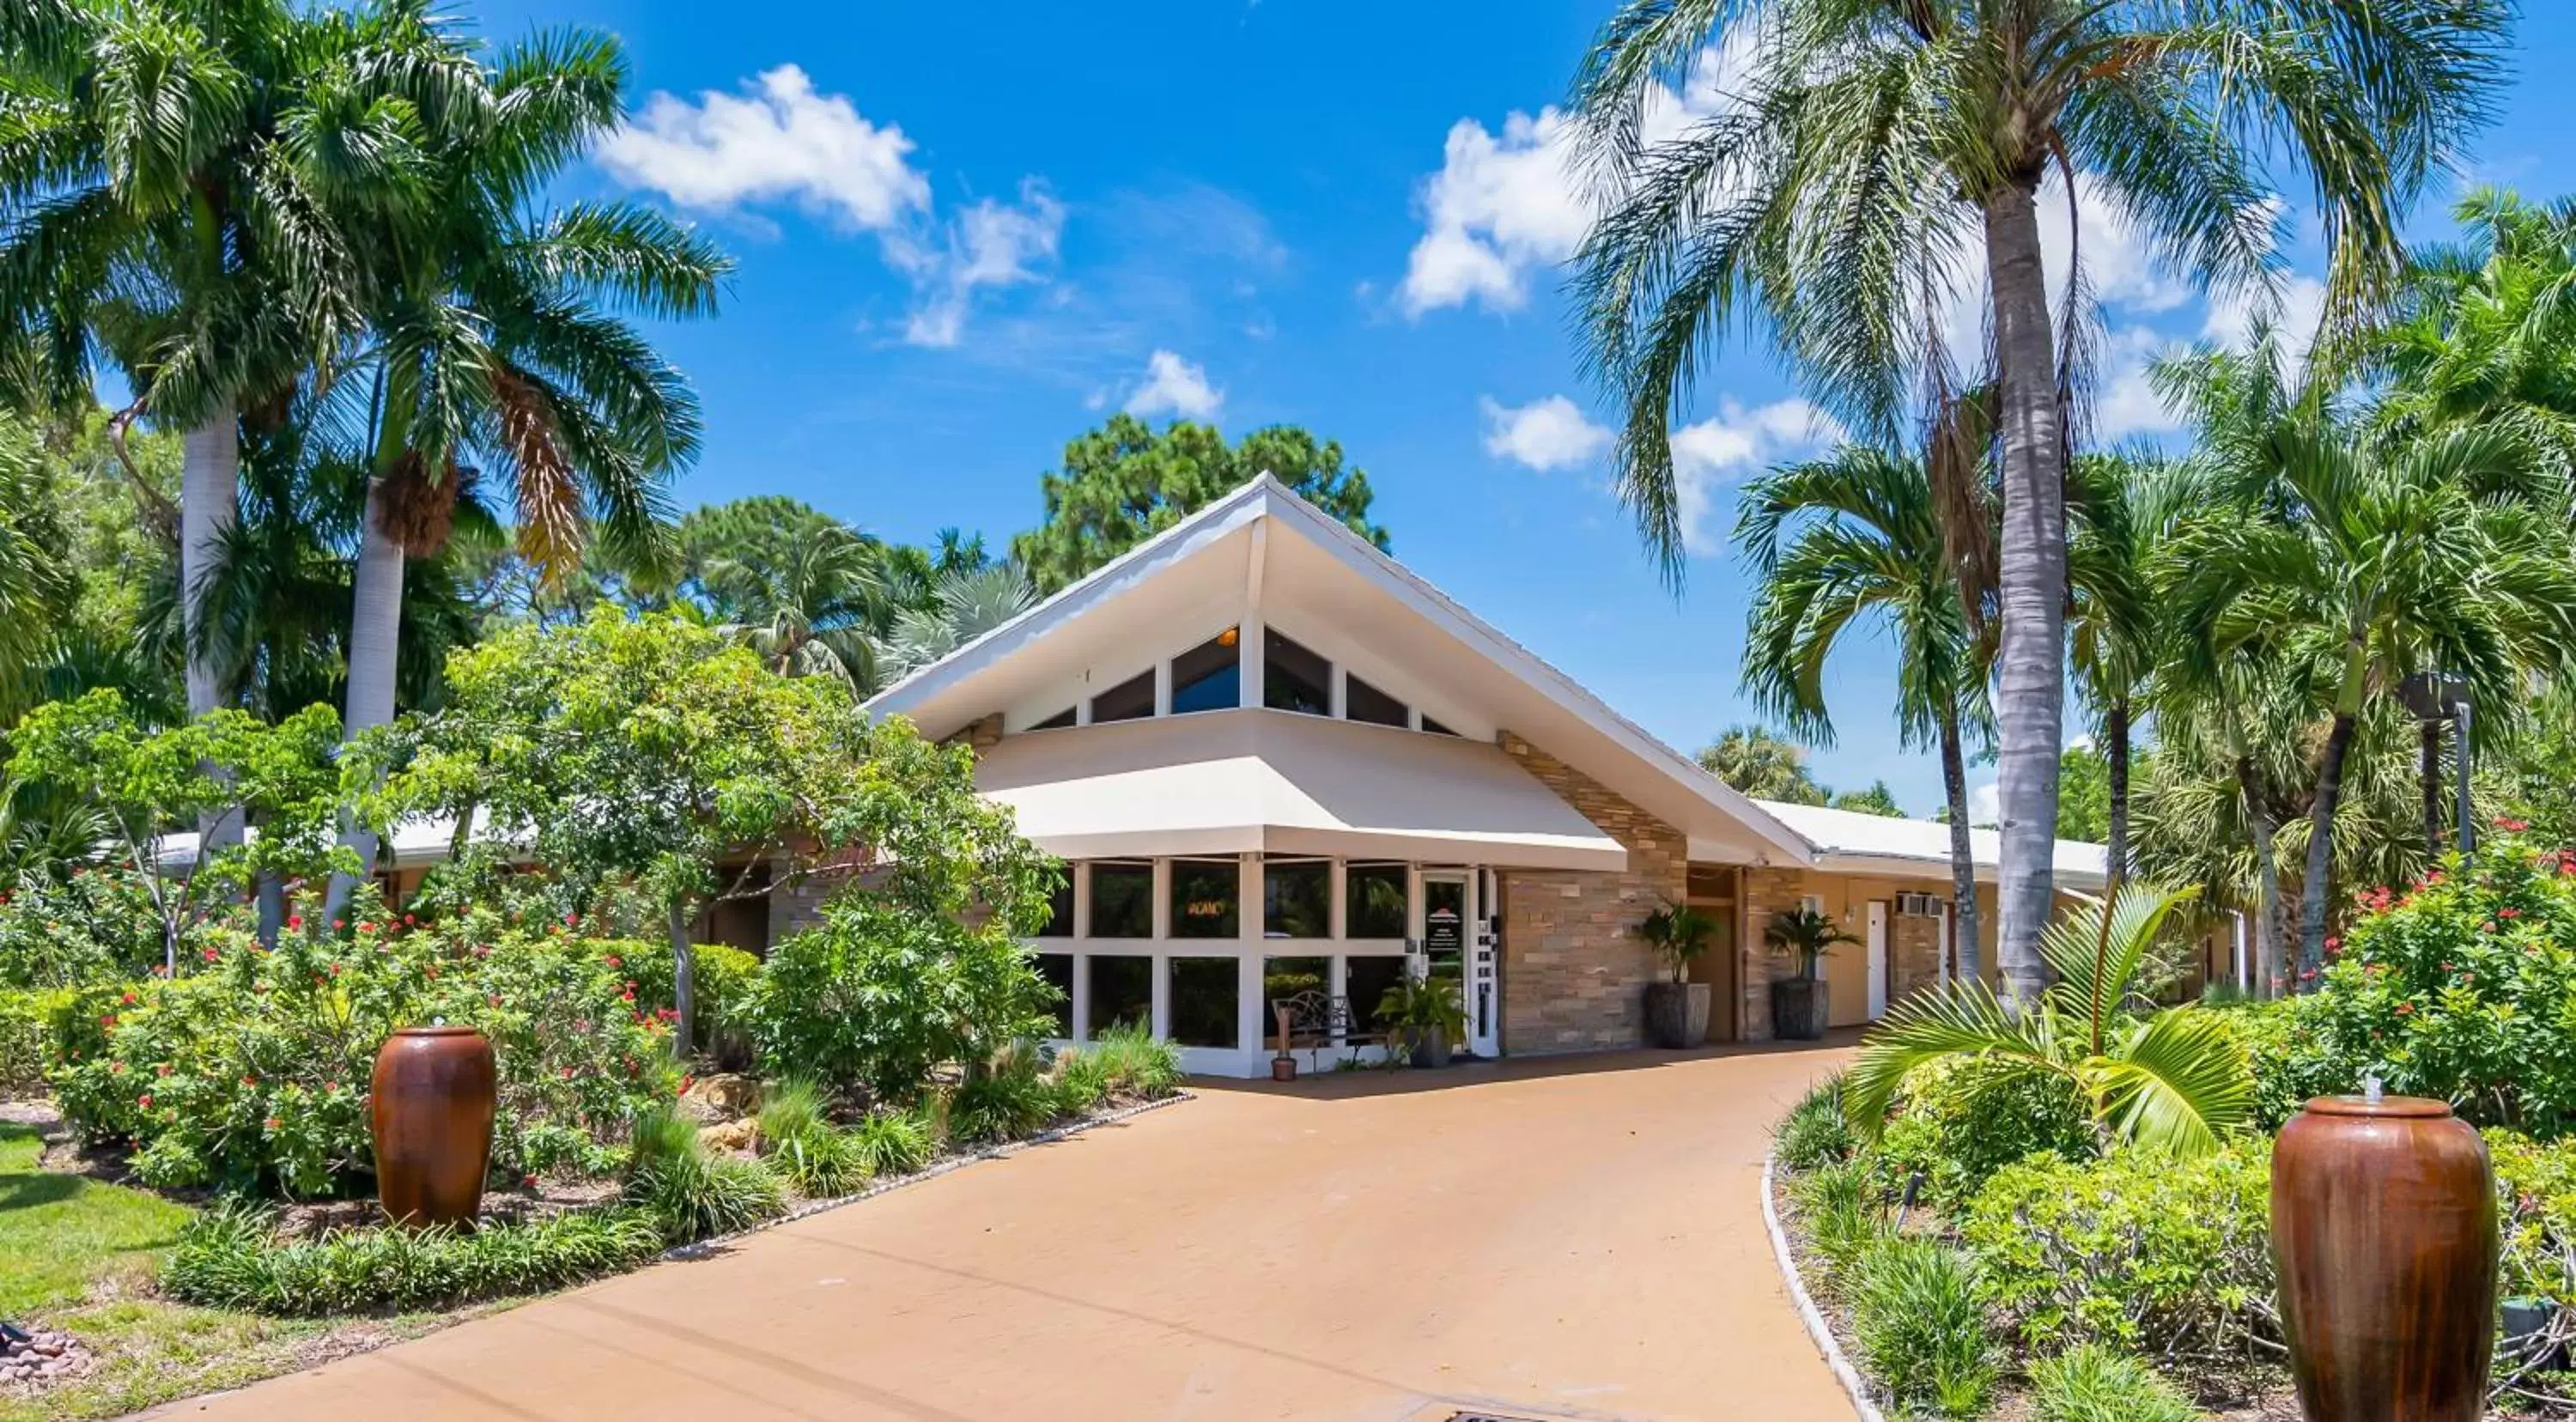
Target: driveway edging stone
{"x":1818,"y":1330}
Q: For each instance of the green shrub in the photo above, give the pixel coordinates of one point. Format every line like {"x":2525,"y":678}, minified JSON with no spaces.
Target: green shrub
{"x":802,"y":1145}
{"x":724,"y":977}
{"x":85,"y":924}
{"x":229,"y":1258}
{"x":2091,"y":1383}
{"x":1921,"y":1328}
{"x":881,"y":995}
{"x":2537,"y":1183}
{"x":1839,"y":1215}
{"x":31,"y":1036}
{"x":1007,"y":1100}
{"x":1126,"y":1063}
{"x":251,"y":1071}
{"x":1960,"y":1120}
{"x":2136,"y":1250}
{"x":893,"y":1143}
{"x":690,"y":1192}
{"x":2463,"y":989}
{"x":1814,"y":1132}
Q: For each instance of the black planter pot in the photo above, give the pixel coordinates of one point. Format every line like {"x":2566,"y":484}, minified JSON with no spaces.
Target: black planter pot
{"x":1431,"y":1048}
{"x":1677,"y":1014}
{"x":1798,"y":1009}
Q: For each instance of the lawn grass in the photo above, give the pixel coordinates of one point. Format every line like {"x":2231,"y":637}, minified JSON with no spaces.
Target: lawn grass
{"x":80,"y":1255}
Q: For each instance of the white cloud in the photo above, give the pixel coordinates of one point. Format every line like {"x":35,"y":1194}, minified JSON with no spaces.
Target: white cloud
{"x":1173,"y":386}
{"x":1721,"y":450}
{"x":1986,"y":804}
{"x":1503,"y":205}
{"x":2294,"y":318}
{"x":1545,"y":435}
{"x":990,"y":244}
{"x":777,"y":140}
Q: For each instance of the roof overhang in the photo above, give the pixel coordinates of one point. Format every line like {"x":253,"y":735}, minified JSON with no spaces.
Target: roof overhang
{"x":1274,"y":782}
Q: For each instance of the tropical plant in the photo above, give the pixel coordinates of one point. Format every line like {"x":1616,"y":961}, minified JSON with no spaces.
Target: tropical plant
{"x":2123,"y":507}
{"x":1815,"y":1132}
{"x":1805,"y":934}
{"x":2092,"y":1383}
{"x":805,"y":590}
{"x":691,"y":1192}
{"x":2367,"y":559}
{"x":1865,"y":154}
{"x":893,"y":1143}
{"x":1415,"y":1009}
{"x":1762,"y":765}
{"x":1844,"y":542}
{"x":962,"y":604}
{"x":1873,"y":799}
{"x":1125,"y":482}
{"x":1680,"y":936}
{"x":2481,"y":329}
{"x":231,"y":1258}
{"x":2174,"y":1080}
{"x":1921,"y":1327}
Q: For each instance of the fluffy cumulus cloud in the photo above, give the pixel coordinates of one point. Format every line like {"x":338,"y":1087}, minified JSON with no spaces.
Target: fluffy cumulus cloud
{"x":1735,"y":443}
{"x":1545,"y":435}
{"x":776,"y":140}
{"x":1175,"y":387}
{"x":779,"y":141}
{"x":1505,"y":205}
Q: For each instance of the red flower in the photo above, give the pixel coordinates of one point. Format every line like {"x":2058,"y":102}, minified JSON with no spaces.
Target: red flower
{"x":339,"y":923}
{"x":685,"y":1083}
{"x":2405,"y":1009}
{"x":531,"y":1180}
{"x":144,"y":1101}
{"x":116,"y":1068}
{"x":108,"y":1021}
{"x":129,"y":999}
{"x":616,"y":962}
{"x":567,"y":1073}
{"x":366,"y":927}
{"x":572,"y":920}
{"x":163,"y":1069}
{"x":210,"y":955}
{"x":273,"y":1123}
{"x":2510,"y":825}
{"x":250,"y":1081}
{"x":295,"y":920}
{"x":2508,"y":911}
{"x":409,"y":921}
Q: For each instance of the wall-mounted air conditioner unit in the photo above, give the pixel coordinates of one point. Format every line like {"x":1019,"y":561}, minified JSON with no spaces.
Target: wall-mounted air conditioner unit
{"x":1918,"y":906}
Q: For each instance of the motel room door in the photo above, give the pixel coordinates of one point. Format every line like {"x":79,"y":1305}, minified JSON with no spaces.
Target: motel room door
{"x":1877,"y":959}
{"x":1455,"y":946}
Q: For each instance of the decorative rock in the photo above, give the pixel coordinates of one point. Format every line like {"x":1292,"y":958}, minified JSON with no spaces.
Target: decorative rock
{"x":722,"y":1096}
{"x":730,"y":1135}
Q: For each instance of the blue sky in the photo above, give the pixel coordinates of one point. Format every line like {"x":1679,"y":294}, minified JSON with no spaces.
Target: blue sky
{"x":968,"y":233}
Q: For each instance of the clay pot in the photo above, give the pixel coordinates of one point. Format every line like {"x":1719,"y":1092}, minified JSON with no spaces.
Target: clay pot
{"x":431,"y":1112}
{"x":2384,"y":1232}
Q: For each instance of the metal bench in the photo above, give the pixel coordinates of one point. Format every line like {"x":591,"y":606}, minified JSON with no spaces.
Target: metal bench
{"x":1312,"y":1021}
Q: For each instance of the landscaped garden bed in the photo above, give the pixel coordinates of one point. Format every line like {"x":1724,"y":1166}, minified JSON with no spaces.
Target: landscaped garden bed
{"x":2021,"y":1219}
{"x":188,"y":1173}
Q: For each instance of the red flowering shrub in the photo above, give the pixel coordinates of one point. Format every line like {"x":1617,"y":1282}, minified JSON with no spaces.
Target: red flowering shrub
{"x":2463,"y":988}
{"x":253,"y":1072}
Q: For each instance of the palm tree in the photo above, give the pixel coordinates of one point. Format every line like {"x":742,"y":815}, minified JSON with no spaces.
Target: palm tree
{"x":1846,"y":540}
{"x":497,"y":347}
{"x":1762,"y":765}
{"x":2174,"y":1080}
{"x":2484,"y":328}
{"x":180,"y":195}
{"x":2123,"y":507}
{"x":964,"y":605}
{"x":804,"y":589}
{"x":2366,"y":559}
{"x":1871,"y":146}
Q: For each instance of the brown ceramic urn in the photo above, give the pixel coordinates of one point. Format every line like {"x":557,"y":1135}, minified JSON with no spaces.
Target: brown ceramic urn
{"x":431,"y":1111}
{"x":2384,"y":1230}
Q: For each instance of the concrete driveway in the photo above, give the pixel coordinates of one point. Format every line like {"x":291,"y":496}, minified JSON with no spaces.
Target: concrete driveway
{"x":1576,"y":1240}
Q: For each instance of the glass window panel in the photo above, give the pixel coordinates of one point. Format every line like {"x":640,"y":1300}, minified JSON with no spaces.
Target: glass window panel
{"x":1363,"y":702}
{"x":1056,"y":722}
{"x":1205,"y":992}
{"x":1284,"y":978}
{"x":1297,"y":899}
{"x":1126,"y":701}
{"x":1381,"y":904}
{"x":1059,"y":922}
{"x":1057,"y":969}
{"x":1436,"y":728}
{"x":1366,"y":982}
{"x":1206,"y":896}
{"x":1295,"y":679}
{"x":1122,"y":900}
{"x":1208,"y":677}
{"x":1122,"y":992}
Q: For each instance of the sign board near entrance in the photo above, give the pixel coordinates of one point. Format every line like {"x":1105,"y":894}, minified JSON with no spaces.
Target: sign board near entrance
{"x":1444,"y":930}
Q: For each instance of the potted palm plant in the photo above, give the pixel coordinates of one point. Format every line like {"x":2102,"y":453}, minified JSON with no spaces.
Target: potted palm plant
{"x":1677,"y":1010}
{"x":1799,"y":1009}
{"x":1425,"y":1016}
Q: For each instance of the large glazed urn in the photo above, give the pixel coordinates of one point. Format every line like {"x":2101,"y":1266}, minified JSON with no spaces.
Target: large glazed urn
{"x":2384,"y":1231}
{"x":431,"y":1112}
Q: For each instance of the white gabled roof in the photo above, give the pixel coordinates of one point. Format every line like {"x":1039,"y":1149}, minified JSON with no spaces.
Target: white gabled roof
{"x":1555,"y":712}
{"x":1856,"y":842}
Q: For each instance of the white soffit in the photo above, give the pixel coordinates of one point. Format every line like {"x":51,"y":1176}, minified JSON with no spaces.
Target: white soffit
{"x":1274,"y":782}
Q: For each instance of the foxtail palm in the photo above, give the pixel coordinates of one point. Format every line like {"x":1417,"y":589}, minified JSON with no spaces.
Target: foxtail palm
{"x":2124,"y":506}
{"x":2485,"y":328}
{"x":1841,"y":542}
{"x":1870,"y":148}
{"x":2175,"y":1080}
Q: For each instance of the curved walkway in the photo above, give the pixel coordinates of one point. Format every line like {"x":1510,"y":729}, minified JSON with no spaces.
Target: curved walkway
{"x":1570,"y":1240}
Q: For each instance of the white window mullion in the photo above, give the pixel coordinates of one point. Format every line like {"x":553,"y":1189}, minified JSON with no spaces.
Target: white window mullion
{"x":1251,"y":944}
{"x":1081,"y":993}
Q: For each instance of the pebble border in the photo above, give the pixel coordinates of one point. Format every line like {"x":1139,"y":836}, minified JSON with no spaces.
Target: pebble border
{"x":705,"y":1247}
{"x":1818,"y":1331}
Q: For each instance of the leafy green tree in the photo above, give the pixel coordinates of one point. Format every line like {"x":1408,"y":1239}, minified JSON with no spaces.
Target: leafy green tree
{"x":1853,"y":540}
{"x":805,"y":590}
{"x":1762,"y":765}
{"x":2174,"y":1080}
{"x":2084,"y":795}
{"x":1876,"y":800}
{"x":2368,"y":560}
{"x":1125,"y":482}
{"x":1869,"y":147}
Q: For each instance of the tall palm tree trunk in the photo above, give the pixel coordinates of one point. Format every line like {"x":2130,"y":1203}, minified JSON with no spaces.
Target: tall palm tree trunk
{"x":2031,"y":676}
{"x":2314,"y":892}
{"x":2430,"y":737}
{"x":2115,"y":731}
{"x":375,"y":630}
{"x":209,"y":502}
{"x":1964,"y":927}
{"x":2267,"y":881}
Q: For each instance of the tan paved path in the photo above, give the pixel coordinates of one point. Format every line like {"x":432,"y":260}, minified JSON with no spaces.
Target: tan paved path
{"x":1568,"y":1242}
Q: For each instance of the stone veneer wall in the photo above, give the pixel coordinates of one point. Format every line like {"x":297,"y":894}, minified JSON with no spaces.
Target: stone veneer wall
{"x":1574,"y":969}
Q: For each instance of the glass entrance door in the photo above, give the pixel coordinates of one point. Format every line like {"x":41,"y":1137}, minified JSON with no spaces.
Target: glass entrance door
{"x":1455,"y":951}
